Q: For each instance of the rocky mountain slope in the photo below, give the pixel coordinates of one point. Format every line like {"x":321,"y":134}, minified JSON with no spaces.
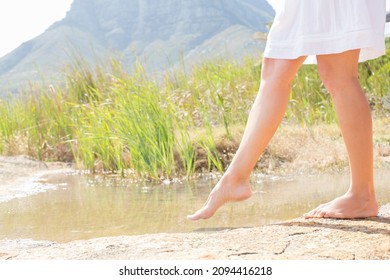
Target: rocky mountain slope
{"x":159,"y":33}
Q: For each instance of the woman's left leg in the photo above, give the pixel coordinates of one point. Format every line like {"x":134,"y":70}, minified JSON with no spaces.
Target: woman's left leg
{"x":264,"y":118}
{"x":339,"y":73}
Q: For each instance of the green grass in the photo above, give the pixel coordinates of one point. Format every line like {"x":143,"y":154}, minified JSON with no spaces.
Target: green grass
{"x":109,"y":120}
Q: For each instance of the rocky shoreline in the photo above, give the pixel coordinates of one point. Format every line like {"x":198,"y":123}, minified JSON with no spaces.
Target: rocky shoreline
{"x":298,"y":239}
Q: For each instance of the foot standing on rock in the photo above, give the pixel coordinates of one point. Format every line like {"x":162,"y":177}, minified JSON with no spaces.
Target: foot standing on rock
{"x":336,"y":35}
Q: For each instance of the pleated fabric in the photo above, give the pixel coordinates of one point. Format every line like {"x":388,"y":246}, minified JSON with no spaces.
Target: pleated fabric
{"x":315,"y":27}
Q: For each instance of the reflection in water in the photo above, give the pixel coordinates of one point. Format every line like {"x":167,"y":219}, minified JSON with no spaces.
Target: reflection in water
{"x":84,"y":207}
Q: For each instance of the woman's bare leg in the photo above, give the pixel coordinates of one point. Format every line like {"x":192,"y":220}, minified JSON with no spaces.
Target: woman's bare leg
{"x":266,"y":114}
{"x":339,"y":72}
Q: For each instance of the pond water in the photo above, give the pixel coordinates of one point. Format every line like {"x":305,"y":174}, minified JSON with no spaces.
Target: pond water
{"x":83,"y":207}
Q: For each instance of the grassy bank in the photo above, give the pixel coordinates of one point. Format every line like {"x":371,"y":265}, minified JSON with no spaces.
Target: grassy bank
{"x":109,"y":120}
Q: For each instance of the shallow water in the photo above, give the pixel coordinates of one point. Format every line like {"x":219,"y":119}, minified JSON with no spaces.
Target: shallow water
{"x":83,"y":207}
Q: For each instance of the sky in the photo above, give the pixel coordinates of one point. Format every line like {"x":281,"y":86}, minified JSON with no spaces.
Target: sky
{"x":22,"y":20}
{"x":30,"y":18}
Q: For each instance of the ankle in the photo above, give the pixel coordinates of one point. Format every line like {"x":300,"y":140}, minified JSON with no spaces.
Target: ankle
{"x":364,"y":193}
{"x":235,"y":177}
{"x":365,"y":196}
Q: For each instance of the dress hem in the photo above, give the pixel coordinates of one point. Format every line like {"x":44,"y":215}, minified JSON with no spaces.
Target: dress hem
{"x":371,"y":46}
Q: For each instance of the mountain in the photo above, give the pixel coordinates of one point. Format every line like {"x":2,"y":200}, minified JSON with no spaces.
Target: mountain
{"x":159,"y":33}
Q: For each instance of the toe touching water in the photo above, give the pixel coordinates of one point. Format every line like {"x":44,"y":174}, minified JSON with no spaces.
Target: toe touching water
{"x":226,"y":190}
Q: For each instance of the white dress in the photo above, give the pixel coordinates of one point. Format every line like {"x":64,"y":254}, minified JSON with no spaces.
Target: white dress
{"x":315,"y":27}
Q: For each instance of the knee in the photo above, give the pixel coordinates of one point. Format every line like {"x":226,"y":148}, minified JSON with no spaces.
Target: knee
{"x":337,"y":79}
{"x":329,"y":78}
{"x":279,"y":73}
{"x":276,"y":83}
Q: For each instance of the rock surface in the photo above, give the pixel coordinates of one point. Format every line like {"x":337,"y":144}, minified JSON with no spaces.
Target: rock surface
{"x":19,"y":173}
{"x":361,"y":239}
{"x":299,"y":239}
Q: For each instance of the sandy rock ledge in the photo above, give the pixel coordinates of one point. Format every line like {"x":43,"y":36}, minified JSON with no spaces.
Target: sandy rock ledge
{"x":298,"y":239}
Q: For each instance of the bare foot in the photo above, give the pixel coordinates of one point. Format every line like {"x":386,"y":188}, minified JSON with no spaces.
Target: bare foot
{"x":348,"y":206}
{"x":226,"y":190}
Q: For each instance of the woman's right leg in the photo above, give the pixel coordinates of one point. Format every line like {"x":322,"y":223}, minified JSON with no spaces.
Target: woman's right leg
{"x":339,"y":73}
{"x":265,"y":116}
